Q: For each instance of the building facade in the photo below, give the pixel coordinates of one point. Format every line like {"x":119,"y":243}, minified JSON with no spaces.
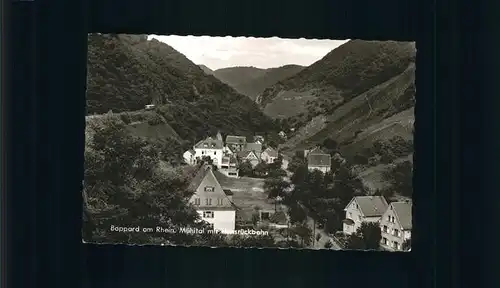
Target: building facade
{"x":212,"y":203}
{"x":209,"y":147}
{"x":363,"y":209}
{"x":396,"y":225}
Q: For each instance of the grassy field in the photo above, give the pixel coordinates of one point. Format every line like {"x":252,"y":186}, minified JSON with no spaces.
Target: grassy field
{"x":247,"y":193}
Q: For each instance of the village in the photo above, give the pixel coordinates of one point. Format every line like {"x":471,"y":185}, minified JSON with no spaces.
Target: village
{"x":230,"y":195}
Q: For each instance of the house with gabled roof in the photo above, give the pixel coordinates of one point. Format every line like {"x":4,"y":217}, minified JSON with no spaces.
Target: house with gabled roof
{"x":211,"y":202}
{"x":249,"y":156}
{"x":254,"y":147}
{"x":269,"y":155}
{"x":236,"y":143}
{"x":258,"y":139}
{"x":209,"y":147}
{"x":396,"y":225}
{"x":319,"y":161}
{"x":363,"y":209}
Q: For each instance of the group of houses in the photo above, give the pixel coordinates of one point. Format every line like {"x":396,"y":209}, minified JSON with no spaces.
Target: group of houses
{"x":395,"y":219}
{"x":226,"y":155}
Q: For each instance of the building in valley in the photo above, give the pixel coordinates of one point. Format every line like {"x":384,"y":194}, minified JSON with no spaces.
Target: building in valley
{"x":269,"y":155}
{"x":318,"y":160}
{"x":229,"y":166}
{"x":213,"y":204}
{"x":396,"y":225}
{"x":249,"y":156}
{"x":236,"y":143}
{"x":254,"y":147}
{"x":258,"y":139}
{"x":210,"y":147}
{"x":189,"y":157}
{"x":363,"y":209}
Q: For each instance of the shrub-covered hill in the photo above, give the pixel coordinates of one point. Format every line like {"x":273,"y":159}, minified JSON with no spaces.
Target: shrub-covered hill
{"x":127,"y":72}
{"x":251,"y":81}
{"x":342,"y":74}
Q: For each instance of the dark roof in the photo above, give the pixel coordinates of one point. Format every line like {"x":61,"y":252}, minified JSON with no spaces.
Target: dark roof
{"x":209,"y":143}
{"x":236,"y":139}
{"x":271,"y":152}
{"x":403,"y":213}
{"x":198,"y":177}
{"x":254,"y":147}
{"x":371,"y":205}
{"x":243,"y":154}
{"x":206,"y":176}
{"x":228,"y":192}
{"x":319,"y":160}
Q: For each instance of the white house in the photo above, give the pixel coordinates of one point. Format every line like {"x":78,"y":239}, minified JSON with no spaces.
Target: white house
{"x":209,"y":147}
{"x":249,"y":156}
{"x":189,"y":157}
{"x":396,"y":224}
{"x":363,"y":209}
{"x":229,"y":166}
{"x":236,"y":143}
{"x":269,"y":155}
{"x":212,"y":203}
{"x":319,"y":161}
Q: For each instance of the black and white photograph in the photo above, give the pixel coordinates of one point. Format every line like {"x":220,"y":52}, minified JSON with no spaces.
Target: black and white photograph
{"x":249,"y":142}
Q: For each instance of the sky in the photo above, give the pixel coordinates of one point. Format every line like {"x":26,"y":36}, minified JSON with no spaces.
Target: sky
{"x":222,"y":52}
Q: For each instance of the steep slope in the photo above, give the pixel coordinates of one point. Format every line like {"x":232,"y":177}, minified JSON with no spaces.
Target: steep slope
{"x":255,"y":86}
{"x":382,"y":112}
{"x":235,"y":76}
{"x":126,"y":72}
{"x":206,"y":69}
{"x":342,"y":74}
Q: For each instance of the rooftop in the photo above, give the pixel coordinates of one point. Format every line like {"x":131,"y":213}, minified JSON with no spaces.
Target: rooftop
{"x":371,"y":205}
{"x":236,"y":139}
{"x":257,"y":147}
{"x":210,"y":143}
{"x":403,"y":213}
{"x":319,"y":160}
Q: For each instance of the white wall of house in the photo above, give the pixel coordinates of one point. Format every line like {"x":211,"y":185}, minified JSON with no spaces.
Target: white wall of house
{"x":214,"y":154}
{"x":323,"y":169}
{"x":266,"y":158}
{"x":234,"y":173}
{"x":392,"y":234}
{"x":352,"y":212}
{"x":223,"y":220}
{"x":189,"y":158}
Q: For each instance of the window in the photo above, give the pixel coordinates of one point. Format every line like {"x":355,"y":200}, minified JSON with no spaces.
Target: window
{"x":205,"y":145}
{"x":396,"y":232}
{"x":232,"y":173}
{"x":208,"y":201}
{"x":350,"y":215}
{"x":395,"y":244}
{"x":197,"y":201}
{"x":208,"y":214}
{"x":384,"y":241}
{"x":215,"y":153}
{"x":220,"y":201}
{"x":384,"y":228}
{"x":209,"y":189}
{"x":202,"y":152}
{"x":360,"y":218}
{"x":398,"y":246}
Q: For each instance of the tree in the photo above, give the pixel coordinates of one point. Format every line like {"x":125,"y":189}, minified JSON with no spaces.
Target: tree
{"x":297,"y":161}
{"x":401,"y":178}
{"x":347,"y":185}
{"x":304,"y":233}
{"x":407,"y":244}
{"x":123,"y":175}
{"x":297,"y":213}
{"x":260,"y":169}
{"x":299,"y":175}
{"x":275,"y":188}
{"x":367,"y":237}
{"x":245,"y":169}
